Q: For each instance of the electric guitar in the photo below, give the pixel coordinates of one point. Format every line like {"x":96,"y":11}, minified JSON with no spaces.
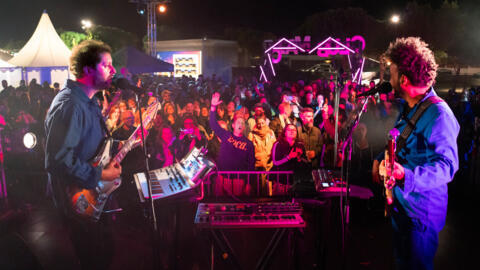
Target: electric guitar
{"x":89,"y":203}
{"x":389,"y":180}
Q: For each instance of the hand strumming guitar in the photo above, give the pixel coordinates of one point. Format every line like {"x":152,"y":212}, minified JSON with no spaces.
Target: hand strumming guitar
{"x":112,"y":171}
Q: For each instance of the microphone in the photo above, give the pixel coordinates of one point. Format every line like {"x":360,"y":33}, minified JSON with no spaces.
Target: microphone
{"x":123,"y":83}
{"x":383,"y":88}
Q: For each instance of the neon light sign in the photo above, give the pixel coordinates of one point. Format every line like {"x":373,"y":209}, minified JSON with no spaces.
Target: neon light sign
{"x":326,"y":48}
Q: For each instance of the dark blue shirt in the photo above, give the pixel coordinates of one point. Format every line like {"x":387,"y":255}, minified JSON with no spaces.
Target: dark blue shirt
{"x":74,"y":133}
{"x":430,"y":160}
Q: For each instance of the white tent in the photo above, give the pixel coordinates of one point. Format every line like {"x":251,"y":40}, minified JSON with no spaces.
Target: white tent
{"x":10,"y":73}
{"x":44,"y":57}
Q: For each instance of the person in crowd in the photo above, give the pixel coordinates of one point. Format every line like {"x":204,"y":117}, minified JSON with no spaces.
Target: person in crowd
{"x":236,"y":152}
{"x":230,"y":110}
{"x":428,"y":161}
{"x":213,"y":145}
{"x":284,"y":117}
{"x":164,"y":153}
{"x":259,"y":111}
{"x":122,"y":105}
{"x":203,"y":123}
{"x":263,"y":139}
{"x":189,"y":137}
{"x":220,"y":113}
{"x":113,"y":121}
{"x":169,"y":115}
{"x":309,"y":100}
{"x":127,"y":126}
{"x":311,"y":136}
{"x":73,"y":134}
{"x":288,"y":154}
{"x":56,"y":88}
{"x":132,"y":106}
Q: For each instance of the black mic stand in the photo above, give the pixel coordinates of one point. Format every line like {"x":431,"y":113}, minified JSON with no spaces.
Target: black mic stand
{"x":348,"y":142}
{"x":156,"y":251}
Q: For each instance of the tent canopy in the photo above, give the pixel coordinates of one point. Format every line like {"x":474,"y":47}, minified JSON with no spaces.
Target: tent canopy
{"x":138,"y":62}
{"x":44,"y":49}
{"x":5,"y":64}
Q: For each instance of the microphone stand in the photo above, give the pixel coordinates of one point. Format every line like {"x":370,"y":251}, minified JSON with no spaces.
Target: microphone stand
{"x":348,"y":142}
{"x":156,"y":253}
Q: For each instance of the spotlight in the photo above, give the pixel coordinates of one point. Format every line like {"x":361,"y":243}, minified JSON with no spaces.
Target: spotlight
{"x":395,"y":19}
{"x":162,"y":8}
{"x":29,"y":140}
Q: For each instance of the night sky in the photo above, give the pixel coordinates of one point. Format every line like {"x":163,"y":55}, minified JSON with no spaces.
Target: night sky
{"x":198,"y":18}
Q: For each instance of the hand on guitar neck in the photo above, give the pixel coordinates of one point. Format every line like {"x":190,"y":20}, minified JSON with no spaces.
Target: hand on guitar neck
{"x":112,"y":171}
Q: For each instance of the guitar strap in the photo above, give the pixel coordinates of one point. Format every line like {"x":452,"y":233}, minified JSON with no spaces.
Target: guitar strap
{"x":413,"y":121}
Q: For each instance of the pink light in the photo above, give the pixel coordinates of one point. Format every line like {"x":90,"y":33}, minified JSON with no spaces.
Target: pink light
{"x":277,"y":59}
{"x":271,"y":65}
{"x":361,"y":71}
{"x":285,"y":48}
{"x":286,"y":40}
{"x":359,"y":38}
{"x":356,"y":73}
{"x":342,"y":47}
{"x":349,"y":62}
{"x":263,"y":74}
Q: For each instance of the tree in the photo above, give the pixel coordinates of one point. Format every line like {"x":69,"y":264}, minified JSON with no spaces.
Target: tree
{"x":248,"y":39}
{"x":71,"y":38}
{"x":346,"y":22}
{"x":115,"y":37}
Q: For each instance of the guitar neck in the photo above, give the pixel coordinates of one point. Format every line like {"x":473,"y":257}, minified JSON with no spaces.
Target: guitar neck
{"x":133,"y":140}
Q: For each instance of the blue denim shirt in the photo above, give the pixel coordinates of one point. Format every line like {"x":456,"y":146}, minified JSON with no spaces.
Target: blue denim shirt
{"x":430,"y":160}
{"x":73,"y":135}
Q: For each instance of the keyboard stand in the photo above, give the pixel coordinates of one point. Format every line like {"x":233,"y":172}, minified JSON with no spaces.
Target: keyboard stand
{"x":228,"y":254}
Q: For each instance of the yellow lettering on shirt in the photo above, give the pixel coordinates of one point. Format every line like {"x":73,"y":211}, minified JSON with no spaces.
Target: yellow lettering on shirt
{"x":238,"y":144}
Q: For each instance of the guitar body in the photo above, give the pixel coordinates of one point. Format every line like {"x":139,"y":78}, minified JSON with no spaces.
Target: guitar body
{"x":89,"y":203}
{"x":389,"y":181}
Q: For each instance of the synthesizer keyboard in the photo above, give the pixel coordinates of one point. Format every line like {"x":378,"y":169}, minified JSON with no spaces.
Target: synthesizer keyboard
{"x":176,"y":178}
{"x":249,"y":215}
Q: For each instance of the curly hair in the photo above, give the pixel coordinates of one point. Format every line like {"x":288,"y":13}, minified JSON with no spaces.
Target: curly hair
{"x":414,"y":60}
{"x":87,"y":54}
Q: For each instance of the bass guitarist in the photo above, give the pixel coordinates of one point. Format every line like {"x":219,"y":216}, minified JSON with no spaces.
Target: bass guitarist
{"x":75,"y":131}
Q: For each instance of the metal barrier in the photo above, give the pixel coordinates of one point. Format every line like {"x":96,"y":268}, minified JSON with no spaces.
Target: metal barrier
{"x":239,"y":183}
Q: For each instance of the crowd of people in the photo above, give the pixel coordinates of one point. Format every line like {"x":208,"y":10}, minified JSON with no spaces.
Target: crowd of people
{"x":279,"y":125}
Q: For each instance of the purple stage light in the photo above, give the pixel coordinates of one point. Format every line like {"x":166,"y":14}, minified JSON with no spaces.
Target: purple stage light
{"x":271,"y":65}
{"x":342,"y":49}
{"x":289,"y":42}
{"x":263,"y":74}
{"x":361,"y":71}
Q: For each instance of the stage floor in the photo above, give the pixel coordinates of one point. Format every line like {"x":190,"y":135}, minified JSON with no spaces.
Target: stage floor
{"x":32,"y":237}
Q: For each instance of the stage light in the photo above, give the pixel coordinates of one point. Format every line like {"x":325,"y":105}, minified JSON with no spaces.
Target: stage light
{"x":162,"y":8}
{"x":86,"y":24}
{"x":29,"y":140}
{"x":395,"y":19}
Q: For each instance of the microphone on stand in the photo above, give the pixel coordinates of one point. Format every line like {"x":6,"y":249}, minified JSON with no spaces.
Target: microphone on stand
{"x":383,"y":88}
{"x":123,"y":83}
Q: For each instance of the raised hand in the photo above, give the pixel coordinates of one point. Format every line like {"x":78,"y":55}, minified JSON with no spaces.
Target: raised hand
{"x":216,"y":99}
